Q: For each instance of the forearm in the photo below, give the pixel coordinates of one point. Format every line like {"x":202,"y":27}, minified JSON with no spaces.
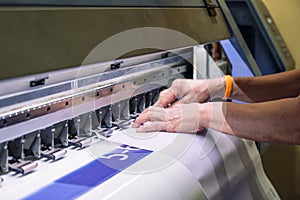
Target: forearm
{"x":266,"y":88}
{"x":276,"y":121}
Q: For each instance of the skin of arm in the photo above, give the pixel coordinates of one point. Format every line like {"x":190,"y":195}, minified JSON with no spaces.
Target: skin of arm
{"x":274,"y":110}
{"x":273,"y":121}
{"x":267,"y":88}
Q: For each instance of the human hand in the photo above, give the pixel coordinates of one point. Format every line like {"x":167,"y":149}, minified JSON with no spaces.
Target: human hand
{"x":190,"y":91}
{"x":178,"y":118}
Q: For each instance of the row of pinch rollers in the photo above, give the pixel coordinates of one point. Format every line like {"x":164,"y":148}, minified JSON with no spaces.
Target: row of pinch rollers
{"x":25,"y":167}
{"x":52,"y":142}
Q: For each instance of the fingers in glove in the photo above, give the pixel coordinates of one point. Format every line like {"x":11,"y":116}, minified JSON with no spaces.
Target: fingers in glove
{"x":151,"y":126}
{"x":165,"y":97}
{"x":152,"y":113}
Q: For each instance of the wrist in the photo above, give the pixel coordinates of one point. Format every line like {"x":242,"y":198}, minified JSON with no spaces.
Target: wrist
{"x":216,"y":87}
{"x":204,"y":114}
{"x":212,"y":115}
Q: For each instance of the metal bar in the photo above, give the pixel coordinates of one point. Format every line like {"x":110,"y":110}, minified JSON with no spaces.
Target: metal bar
{"x":85,"y":95}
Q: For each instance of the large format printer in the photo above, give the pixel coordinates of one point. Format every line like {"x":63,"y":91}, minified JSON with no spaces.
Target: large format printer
{"x":75,"y":74}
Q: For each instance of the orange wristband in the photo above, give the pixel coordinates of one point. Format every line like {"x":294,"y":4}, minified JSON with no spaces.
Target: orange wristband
{"x":228,"y":88}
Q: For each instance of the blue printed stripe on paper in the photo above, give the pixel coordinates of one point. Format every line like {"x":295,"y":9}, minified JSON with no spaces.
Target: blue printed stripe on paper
{"x":94,"y":173}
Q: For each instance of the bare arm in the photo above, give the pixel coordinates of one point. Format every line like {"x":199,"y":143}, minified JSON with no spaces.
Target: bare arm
{"x":275,"y":121}
{"x":266,"y":88}
{"x":248,"y":89}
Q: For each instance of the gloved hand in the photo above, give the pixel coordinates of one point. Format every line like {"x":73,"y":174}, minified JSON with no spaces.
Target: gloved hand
{"x":190,"y":91}
{"x":178,"y":118}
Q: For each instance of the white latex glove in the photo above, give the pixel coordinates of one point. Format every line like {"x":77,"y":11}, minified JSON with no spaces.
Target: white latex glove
{"x":190,"y":91}
{"x":178,"y":118}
